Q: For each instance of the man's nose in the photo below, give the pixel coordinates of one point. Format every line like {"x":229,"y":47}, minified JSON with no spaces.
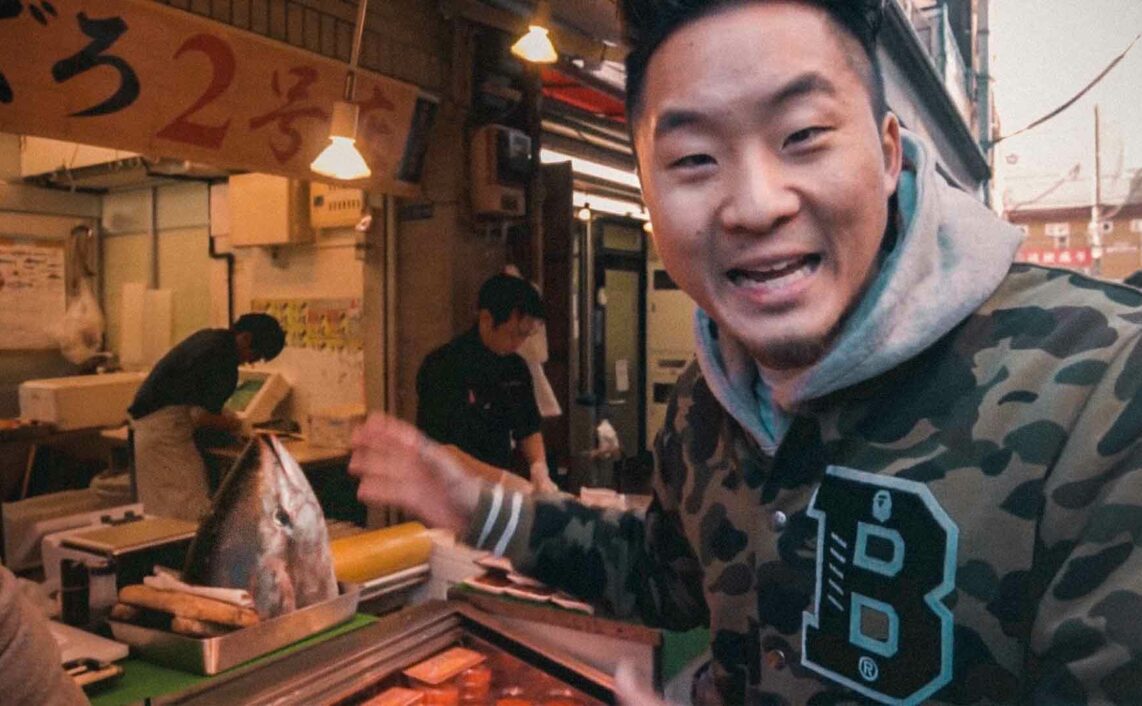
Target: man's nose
{"x":759,"y":196}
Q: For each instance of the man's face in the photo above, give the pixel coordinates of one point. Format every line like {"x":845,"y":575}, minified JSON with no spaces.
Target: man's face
{"x":508,"y":336}
{"x":246,"y":353}
{"x":766,"y":175}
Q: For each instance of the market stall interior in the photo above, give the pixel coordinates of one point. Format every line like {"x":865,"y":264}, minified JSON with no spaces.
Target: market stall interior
{"x":158,"y":178}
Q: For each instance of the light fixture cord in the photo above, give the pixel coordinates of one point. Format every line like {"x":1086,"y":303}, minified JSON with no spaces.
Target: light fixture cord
{"x":355,"y":54}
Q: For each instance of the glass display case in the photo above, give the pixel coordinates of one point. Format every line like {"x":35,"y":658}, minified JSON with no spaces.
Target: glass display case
{"x":386,"y":663}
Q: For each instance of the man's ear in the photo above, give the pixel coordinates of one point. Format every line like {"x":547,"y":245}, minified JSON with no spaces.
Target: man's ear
{"x":892,"y":149}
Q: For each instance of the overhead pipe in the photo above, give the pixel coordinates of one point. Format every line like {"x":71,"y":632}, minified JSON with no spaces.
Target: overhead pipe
{"x":228,"y":257}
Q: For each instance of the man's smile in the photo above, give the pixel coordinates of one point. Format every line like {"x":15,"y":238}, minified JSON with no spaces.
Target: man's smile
{"x":775,"y":275}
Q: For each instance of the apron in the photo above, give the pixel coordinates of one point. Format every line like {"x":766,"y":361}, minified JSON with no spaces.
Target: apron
{"x":170,"y":475}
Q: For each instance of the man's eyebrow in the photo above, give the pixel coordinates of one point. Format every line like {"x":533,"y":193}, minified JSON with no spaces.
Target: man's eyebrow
{"x":675,"y":119}
{"x":801,"y":85}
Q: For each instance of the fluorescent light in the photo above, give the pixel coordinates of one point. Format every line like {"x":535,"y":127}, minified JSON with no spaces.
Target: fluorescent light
{"x":340,"y":159}
{"x":535,"y":46}
{"x":603,"y":204}
{"x":586,"y":166}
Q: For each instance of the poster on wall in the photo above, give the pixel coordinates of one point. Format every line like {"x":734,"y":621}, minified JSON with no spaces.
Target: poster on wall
{"x":137,"y":75}
{"x":33,"y":294}
{"x":319,"y":324}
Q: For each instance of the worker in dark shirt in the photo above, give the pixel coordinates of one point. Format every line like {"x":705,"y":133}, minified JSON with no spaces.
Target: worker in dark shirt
{"x":186,"y":390}
{"x":475,"y":393}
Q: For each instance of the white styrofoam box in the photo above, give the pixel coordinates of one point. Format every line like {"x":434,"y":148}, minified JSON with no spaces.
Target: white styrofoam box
{"x":80,"y":401}
{"x":333,"y":426}
{"x":27,"y":522}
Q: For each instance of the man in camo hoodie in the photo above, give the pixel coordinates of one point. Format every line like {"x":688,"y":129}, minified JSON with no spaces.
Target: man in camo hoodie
{"x":902,"y":469}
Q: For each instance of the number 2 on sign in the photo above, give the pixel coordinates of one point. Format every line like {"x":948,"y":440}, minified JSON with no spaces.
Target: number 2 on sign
{"x":223,"y":64}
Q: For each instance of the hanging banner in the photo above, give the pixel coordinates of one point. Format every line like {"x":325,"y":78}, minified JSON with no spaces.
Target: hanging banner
{"x":1073,"y":258}
{"x":139,"y":76}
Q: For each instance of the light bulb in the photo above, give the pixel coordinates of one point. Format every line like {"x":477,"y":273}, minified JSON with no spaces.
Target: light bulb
{"x":340,"y":159}
{"x":535,"y":46}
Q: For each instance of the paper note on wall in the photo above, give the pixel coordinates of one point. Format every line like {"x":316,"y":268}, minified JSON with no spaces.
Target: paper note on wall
{"x":157,"y":316}
{"x":131,"y":325}
{"x":622,"y":375}
{"x":32,"y":294}
{"x":145,"y":325}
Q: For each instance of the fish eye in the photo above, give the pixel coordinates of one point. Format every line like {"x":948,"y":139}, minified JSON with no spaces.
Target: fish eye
{"x":282,"y":518}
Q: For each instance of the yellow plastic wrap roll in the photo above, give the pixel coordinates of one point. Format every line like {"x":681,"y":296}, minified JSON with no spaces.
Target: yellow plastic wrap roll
{"x":371,"y":555}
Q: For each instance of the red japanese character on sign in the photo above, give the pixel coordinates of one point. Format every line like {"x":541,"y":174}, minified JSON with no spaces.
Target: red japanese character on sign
{"x":374,"y":126}
{"x":1080,"y":257}
{"x":285,"y":115}
{"x":223,"y":66}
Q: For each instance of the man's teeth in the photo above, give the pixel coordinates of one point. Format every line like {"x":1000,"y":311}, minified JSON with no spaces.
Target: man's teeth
{"x":776,"y":275}
{"x":777,"y":265}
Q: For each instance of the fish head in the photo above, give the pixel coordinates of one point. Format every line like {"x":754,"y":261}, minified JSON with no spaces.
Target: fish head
{"x":265,"y":533}
{"x":297,"y":561}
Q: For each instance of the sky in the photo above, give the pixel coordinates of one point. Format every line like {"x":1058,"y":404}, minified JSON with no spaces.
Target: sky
{"x":1043,"y":52}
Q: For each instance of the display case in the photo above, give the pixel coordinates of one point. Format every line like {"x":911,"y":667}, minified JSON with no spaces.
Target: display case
{"x":367,"y":665}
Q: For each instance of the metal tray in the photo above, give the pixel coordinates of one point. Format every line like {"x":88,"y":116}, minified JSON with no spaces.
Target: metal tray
{"x":216,"y":654}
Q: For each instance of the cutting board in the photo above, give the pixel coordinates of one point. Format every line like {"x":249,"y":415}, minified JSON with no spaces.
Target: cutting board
{"x":77,"y":644}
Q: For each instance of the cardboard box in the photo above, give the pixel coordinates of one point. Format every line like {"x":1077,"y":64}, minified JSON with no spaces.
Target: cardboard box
{"x":333,"y":426}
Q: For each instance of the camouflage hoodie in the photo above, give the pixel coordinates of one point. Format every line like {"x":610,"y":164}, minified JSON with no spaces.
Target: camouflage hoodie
{"x":955,"y":525}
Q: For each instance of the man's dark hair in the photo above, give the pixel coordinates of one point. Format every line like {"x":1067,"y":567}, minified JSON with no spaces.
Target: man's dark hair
{"x":1134,"y":280}
{"x":503,"y":294}
{"x":267,"y":336}
{"x":648,"y":23}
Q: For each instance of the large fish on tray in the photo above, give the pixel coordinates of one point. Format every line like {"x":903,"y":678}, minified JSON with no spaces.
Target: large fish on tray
{"x":265,"y":533}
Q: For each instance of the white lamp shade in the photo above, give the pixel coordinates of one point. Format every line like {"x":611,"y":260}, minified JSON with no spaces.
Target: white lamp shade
{"x":535,"y":46}
{"x":341,"y":160}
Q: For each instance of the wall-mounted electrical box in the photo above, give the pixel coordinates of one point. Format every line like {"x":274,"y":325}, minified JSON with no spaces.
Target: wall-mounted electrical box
{"x":501,"y":165}
{"x":268,"y":210}
{"x":335,"y":207}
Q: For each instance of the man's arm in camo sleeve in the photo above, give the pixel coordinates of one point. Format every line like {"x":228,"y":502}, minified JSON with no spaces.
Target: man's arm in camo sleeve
{"x":1085,"y":642}
{"x":633,"y":564}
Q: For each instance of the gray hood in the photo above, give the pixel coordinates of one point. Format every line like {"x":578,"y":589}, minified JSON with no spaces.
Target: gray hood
{"x":951,"y":254}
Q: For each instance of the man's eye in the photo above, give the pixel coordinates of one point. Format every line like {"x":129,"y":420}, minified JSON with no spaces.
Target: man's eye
{"x":805,"y":135}
{"x":692,"y":160}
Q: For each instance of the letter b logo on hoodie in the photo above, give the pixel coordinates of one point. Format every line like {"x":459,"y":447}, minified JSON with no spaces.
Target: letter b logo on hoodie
{"x":886,"y":557}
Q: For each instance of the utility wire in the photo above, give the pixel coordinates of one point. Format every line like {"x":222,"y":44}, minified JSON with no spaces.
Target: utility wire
{"x":1077,"y":96}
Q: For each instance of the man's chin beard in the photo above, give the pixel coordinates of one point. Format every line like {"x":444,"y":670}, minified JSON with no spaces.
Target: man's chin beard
{"x":790,"y":354}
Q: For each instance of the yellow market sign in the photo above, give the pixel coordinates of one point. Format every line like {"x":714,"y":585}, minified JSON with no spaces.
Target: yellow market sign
{"x":140,"y":76}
